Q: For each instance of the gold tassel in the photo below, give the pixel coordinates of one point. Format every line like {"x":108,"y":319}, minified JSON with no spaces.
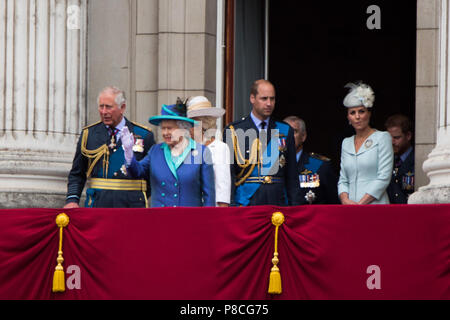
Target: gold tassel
{"x":275,"y":276}
{"x":62,"y":220}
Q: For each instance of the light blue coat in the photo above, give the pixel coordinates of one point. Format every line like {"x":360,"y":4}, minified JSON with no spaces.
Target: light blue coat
{"x":369,"y":170}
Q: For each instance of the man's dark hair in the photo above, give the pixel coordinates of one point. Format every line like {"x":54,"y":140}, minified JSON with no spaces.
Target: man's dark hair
{"x":399,"y":120}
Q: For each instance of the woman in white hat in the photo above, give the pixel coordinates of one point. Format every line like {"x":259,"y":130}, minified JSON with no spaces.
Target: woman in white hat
{"x":199,"y":108}
{"x":367,"y":156}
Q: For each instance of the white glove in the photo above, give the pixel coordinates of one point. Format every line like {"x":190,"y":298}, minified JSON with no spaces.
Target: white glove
{"x":127,"y":145}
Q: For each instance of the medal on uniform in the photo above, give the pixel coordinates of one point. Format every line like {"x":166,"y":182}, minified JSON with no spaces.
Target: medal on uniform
{"x":282,"y":161}
{"x":368,"y":143}
{"x":408,"y":181}
{"x":310,"y":197}
{"x":123,"y":169}
{"x":138,"y":145}
{"x":315,"y":181}
{"x":282,"y":143}
{"x":303,"y":177}
{"x":309,"y":181}
{"x":112,"y":145}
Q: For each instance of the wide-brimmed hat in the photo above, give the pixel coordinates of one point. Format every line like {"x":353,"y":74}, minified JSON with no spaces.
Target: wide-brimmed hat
{"x":172,"y":112}
{"x":200,"y":106}
{"x":360,"y":95}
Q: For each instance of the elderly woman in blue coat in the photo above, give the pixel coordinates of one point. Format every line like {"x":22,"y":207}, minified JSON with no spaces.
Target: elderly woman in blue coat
{"x":367,"y":156}
{"x":179,"y":169}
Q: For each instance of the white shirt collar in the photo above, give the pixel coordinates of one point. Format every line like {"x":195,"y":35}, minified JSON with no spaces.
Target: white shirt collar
{"x":406,"y":154}
{"x":299,"y":154}
{"x":257,"y":121}
{"x":119,"y":127}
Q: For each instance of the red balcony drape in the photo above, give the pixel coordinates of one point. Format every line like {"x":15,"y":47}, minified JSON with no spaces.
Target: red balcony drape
{"x":325,"y":252}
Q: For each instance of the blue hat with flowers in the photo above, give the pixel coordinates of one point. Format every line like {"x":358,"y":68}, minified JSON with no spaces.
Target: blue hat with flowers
{"x":172,"y":112}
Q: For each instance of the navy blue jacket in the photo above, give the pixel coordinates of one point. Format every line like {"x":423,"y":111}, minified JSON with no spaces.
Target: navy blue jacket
{"x":402,"y":182}
{"x":280,"y":194}
{"x":308,"y":166}
{"x":98,"y":136}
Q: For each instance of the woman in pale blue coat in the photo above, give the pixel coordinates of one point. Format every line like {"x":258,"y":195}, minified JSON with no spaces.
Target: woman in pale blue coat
{"x":366,"y":157}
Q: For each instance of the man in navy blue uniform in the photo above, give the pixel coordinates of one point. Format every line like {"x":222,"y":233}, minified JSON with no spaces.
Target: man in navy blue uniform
{"x":99,"y":159}
{"x":317,"y":180}
{"x":402,"y":182}
{"x":263,"y":168}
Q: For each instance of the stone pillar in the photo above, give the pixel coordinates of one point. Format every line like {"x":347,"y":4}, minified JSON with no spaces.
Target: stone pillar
{"x":437,"y":166}
{"x":42,"y":98}
{"x":186,"y":53}
{"x":187,"y":49}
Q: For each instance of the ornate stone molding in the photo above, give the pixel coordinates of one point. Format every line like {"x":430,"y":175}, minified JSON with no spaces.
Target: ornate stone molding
{"x":42,"y":98}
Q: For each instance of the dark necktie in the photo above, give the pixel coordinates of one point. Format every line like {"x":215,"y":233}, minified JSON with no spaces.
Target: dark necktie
{"x":112,"y":131}
{"x":263,"y":125}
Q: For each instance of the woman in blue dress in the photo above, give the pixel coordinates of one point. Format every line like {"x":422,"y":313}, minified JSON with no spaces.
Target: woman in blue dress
{"x":367,"y":156}
{"x":179,"y":169}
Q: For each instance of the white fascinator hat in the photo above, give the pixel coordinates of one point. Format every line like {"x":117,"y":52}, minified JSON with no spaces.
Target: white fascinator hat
{"x":360,"y":95}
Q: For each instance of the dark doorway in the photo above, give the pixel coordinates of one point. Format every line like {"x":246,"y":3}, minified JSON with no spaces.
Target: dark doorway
{"x":317,"y":47}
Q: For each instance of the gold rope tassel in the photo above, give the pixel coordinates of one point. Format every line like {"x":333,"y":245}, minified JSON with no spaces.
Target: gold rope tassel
{"x":275,"y":276}
{"x":62,"y":220}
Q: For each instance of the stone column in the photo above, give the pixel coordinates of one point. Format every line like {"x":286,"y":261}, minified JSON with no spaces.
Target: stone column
{"x":187,"y":50}
{"x":42,"y":98}
{"x":437,"y":166}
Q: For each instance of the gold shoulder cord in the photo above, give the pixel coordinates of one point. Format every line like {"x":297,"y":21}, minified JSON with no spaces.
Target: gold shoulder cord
{"x":251,"y":162}
{"x":94,"y":155}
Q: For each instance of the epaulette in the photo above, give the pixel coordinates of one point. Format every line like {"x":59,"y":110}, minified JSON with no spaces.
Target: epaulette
{"x":141,"y":126}
{"x":234,"y":123}
{"x":319,"y":156}
{"x":91,"y":125}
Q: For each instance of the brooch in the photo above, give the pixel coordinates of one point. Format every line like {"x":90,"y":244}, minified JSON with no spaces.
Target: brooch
{"x":368,"y":143}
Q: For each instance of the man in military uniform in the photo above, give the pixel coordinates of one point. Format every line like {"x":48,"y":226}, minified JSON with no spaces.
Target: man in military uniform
{"x":99,"y":159}
{"x":317,"y":181}
{"x":263,"y":168}
{"x":402,"y":182}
